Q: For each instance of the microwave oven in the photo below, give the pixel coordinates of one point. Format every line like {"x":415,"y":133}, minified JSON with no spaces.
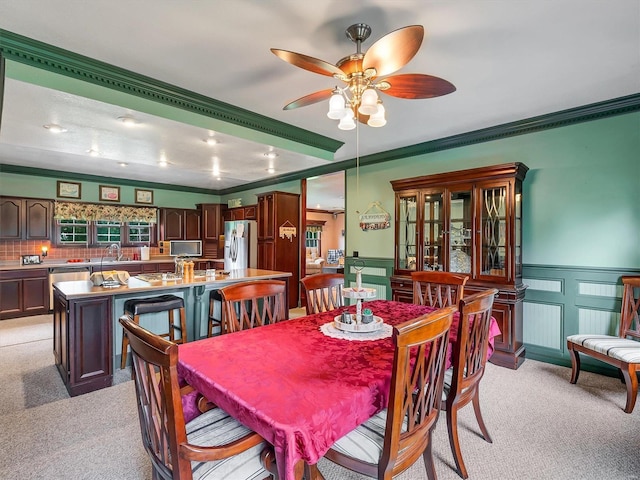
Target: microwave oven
{"x":185,"y":248}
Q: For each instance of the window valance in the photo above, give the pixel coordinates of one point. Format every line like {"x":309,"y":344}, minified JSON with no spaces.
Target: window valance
{"x":99,"y":211}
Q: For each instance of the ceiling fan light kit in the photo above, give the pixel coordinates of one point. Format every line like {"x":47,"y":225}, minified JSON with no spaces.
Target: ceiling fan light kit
{"x":361,"y":73}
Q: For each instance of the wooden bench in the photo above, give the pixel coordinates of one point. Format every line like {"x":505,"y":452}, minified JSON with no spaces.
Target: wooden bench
{"x":619,"y":351}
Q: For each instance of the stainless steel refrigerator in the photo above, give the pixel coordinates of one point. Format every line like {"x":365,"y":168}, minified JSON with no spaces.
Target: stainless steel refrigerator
{"x":240,"y":244}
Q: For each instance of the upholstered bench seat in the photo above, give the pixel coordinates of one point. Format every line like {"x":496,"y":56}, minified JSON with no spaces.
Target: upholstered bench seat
{"x":622,"y":349}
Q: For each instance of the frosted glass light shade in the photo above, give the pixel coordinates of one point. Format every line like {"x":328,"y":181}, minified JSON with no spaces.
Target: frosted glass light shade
{"x":336,"y":106}
{"x":368,"y":102}
{"x":377,"y":119}
{"x":347,"y":122}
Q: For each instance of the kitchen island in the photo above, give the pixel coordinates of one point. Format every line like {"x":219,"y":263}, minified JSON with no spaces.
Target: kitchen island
{"x":87,"y":337}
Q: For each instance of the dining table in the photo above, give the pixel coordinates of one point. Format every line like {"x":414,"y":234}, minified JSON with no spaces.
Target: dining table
{"x":301,"y":383}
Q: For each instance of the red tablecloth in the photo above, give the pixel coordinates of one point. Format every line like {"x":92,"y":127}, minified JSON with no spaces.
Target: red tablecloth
{"x":298,"y":388}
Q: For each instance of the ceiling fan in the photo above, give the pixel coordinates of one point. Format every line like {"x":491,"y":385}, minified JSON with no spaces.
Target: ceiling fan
{"x":362,"y":72}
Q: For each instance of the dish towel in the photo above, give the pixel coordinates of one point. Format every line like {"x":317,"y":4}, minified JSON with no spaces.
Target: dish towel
{"x":98,"y":278}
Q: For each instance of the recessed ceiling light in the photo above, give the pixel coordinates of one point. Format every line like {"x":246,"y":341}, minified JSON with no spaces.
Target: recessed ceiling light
{"x":163,"y":163}
{"x":271,"y":170}
{"x":128,"y":120}
{"x":93,"y":153}
{"x":271,"y":155}
{"x":211,"y":141}
{"x":55,"y":128}
{"x":122,"y":164}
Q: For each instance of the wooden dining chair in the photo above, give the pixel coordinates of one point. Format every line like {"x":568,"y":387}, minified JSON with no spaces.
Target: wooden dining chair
{"x":212,"y":445}
{"x":438,"y":289}
{"x":323,"y":292}
{"x":253,"y":304}
{"x":621,"y":351}
{"x":392,"y":440}
{"x":462,"y":380}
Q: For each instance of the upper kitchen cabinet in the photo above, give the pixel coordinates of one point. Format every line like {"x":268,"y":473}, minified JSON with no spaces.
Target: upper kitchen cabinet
{"x":25,"y":218}
{"x":468,"y":222}
{"x":180,"y":224}
{"x":240,"y":213}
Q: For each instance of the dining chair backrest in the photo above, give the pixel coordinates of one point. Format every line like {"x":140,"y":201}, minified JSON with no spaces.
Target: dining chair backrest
{"x":468,"y":363}
{"x":223,"y":444}
{"x":253,"y":304}
{"x":416,"y":389}
{"x":154,"y":363}
{"x":630,"y":314}
{"x":393,"y":439}
{"x":438,"y":289}
{"x":323,"y":292}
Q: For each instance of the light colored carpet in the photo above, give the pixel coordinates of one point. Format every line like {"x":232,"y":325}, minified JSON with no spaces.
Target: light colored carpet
{"x":543,"y":427}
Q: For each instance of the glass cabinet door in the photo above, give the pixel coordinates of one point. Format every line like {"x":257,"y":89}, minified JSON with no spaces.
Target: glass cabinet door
{"x":460,"y":228}
{"x":432,"y":237}
{"x":407,"y":233}
{"x":493,"y":231}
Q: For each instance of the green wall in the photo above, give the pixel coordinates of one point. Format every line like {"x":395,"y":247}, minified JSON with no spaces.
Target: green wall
{"x":249,"y":197}
{"x":45,"y":187}
{"x":580,"y":196}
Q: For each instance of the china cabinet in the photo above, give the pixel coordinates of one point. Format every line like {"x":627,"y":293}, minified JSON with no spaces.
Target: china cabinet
{"x":469,"y":222}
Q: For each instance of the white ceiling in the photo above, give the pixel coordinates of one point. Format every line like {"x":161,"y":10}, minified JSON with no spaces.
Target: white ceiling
{"x":509,"y":60}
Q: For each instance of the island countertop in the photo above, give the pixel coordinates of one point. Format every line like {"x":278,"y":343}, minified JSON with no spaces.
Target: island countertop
{"x":86,"y":289}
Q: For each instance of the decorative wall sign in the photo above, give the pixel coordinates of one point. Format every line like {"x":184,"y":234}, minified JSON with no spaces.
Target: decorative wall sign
{"x":375,"y":217}
{"x":144,"y":196}
{"x":69,"y":189}
{"x":109,"y":194}
{"x":288,"y":230}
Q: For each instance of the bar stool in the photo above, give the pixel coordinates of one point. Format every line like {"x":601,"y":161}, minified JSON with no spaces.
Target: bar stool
{"x":164,"y":303}
{"x":215,"y":298}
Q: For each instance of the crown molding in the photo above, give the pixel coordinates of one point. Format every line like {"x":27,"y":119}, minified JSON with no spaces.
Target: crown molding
{"x":57,"y":60}
{"x":563,"y":118}
{"x":43,"y":172}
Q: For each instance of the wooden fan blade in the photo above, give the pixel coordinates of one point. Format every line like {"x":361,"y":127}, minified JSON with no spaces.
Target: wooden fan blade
{"x":417,"y":85}
{"x":362,"y":118}
{"x":314,"y":65}
{"x":394,"y":50}
{"x":310,"y":99}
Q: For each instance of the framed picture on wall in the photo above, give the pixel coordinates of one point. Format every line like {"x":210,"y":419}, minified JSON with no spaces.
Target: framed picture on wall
{"x":144,"y":196}
{"x":69,"y":189}
{"x":109,"y":194}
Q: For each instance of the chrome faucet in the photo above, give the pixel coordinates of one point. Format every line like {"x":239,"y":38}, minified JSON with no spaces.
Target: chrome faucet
{"x":118,"y":250}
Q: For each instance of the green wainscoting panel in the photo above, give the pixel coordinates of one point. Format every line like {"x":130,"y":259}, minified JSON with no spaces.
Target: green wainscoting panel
{"x":375,"y":274}
{"x":562,"y":301}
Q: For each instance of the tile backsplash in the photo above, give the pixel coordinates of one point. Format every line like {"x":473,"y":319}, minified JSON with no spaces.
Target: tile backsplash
{"x":12,"y":250}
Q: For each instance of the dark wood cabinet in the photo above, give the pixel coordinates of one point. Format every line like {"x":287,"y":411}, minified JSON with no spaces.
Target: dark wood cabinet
{"x":212,"y":229}
{"x":24,"y":292}
{"x":180,"y":224}
{"x":467,"y":222}
{"x":82,"y":343}
{"x":280,"y":211}
{"x":248,"y":212}
{"x":25,"y":218}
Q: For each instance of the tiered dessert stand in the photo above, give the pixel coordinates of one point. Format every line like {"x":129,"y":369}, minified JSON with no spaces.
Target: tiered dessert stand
{"x":354,"y":322}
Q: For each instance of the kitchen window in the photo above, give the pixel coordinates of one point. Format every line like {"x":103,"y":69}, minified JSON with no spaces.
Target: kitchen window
{"x":72,"y":232}
{"x":107,"y":231}
{"x":139,"y":232}
{"x":104,"y":232}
